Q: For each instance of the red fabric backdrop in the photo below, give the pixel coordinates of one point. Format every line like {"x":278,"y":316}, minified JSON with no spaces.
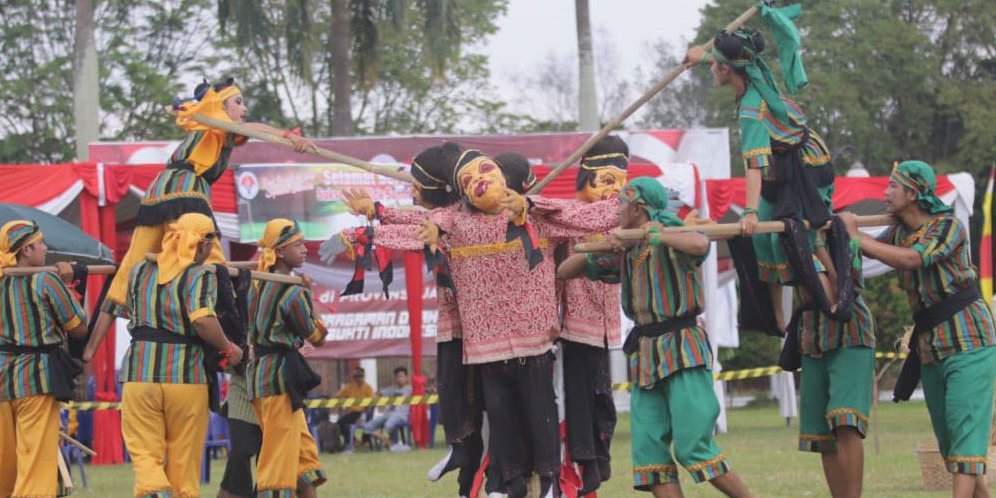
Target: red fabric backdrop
{"x":103,"y":188}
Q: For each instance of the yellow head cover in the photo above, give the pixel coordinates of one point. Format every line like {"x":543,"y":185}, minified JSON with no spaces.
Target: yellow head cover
{"x":210,"y":105}
{"x":14,"y":235}
{"x":278,"y":233}
{"x":180,"y":245}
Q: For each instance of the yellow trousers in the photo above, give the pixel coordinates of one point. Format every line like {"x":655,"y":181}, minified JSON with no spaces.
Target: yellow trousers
{"x":29,"y":447}
{"x":289,"y":453}
{"x":164,"y":426}
{"x":143,"y":241}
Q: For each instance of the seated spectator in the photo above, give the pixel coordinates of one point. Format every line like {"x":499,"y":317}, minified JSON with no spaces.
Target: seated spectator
{"x":357,"y":388}
{"x":394,"y":417}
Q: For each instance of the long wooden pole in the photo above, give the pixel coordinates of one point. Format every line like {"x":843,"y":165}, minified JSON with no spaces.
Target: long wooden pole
{"x":241,"y":129}
{"x":649,"y":94}
{"x":715,"y":232}
{"x":256,"y":275}
{"x":23,"y":271}
{"x":69,"y":439}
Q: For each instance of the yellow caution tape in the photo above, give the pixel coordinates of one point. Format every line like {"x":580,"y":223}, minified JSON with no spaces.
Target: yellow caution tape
{"x":432,"y":399}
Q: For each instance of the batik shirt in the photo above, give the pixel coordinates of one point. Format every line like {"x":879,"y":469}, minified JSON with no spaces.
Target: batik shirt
{"x":173,"y":307}
{"x":37,"y":311}
{"x":658,"y":283}
{"x":447,"y":313}
{"x":759,"y":129}
{"x":590,"y":308}
{"x":942,"y":244}
{"x":819,"y":333}
{"x":506,"y":310}
{"x":280,"y":315}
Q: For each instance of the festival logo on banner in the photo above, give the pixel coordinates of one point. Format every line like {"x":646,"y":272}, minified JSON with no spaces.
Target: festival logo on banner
{"x":310,"y":194}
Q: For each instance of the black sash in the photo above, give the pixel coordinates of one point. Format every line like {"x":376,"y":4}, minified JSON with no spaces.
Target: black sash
{"x":298,"y":377}
{"x":160,"y":336}
{"x":925,"y":320}
{"x":790,"y":358}
{"x":63,"y":369}
{"x":657,"y":329}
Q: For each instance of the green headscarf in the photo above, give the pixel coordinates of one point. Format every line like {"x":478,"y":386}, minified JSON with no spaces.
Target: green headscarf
{"x":918,"y":176}
{"x":786,"y":35}
{"x":651,"y":196}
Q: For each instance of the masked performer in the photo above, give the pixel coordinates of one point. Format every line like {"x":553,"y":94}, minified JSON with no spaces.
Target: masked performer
{"x":591,"y":324}
{"x":498,"y":250}
{"x":673,"y":404}
{"x":282,"y":318}
{"x":184,"y":186}
{"x":951,"y":347}
{"x":164,"y":410}
{"x":36,"y":373}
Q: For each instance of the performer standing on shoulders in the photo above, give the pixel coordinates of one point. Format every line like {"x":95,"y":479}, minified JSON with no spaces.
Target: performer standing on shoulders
{"x":787,"y":164}
{"x":184,"y":186}
{"x":673,"y":404}
{"x":164,"y":402}
{"x":36,"y":372}
{"x":591,"y":324}
{"x":953,"y":337}
{"x":281,"y":319}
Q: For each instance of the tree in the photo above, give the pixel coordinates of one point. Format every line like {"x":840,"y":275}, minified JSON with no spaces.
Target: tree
{"x":334,"y":64}
{"x":145,"y":48}
{"x":893,"y":79}
{"x":587,"y":98}
{"x":86,"y":90}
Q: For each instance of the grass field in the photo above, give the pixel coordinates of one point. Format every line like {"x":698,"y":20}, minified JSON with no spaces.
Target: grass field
{"x":760,"y":447}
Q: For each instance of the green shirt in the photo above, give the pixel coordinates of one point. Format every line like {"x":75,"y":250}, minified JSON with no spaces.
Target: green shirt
{"x":759,"y":131}
{"x":37,"y":310}
{"x":942,"y":244}
{"x":658,"y":283}
{"x":819,"y":333}
{"x":279,"y":315}
{"x":173,"y":307}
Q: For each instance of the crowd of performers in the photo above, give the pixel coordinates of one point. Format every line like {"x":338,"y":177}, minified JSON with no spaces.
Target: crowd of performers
{"x":514,"y":302}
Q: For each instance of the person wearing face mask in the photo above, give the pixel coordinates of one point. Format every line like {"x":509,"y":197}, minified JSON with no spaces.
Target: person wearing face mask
{"x":184,"y":186}
{"x":281,"y":319}
{"x":498,"y":249}
{"x":590,"y":324}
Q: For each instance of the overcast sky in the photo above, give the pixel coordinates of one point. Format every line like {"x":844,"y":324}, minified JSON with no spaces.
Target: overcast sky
{"x":533,"y":28}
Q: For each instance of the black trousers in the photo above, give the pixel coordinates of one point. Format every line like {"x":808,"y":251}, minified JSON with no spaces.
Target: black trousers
{"x":522,"y":411}
{"x":588,"y":405}
{"x":247,"y":439}
{"x":459,"y":385}
{"x":345,"y":420}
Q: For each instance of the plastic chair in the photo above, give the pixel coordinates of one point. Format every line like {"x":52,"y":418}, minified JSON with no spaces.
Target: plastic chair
{"x":217,"y":438}
{"x":70,"y":453}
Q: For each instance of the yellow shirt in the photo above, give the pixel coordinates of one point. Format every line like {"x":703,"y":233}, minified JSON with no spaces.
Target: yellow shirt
{"x":352,"y":390}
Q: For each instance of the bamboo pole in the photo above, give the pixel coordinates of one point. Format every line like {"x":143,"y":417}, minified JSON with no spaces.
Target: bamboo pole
{"x":23,"y":271}
{"x":256,"y":275}
{"x":67,"y":478}
{"x":69,"y":439}
{"x":241,"y":129}
{"x":649,"y":94}
{"x":715,"y":232}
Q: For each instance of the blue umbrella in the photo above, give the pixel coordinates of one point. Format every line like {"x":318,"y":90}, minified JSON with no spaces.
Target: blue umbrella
{"x":65,"y":241}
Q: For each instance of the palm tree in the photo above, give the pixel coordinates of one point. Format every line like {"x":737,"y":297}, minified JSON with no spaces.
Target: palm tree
{"x":353,"y":42}
{"x":86,"y":94}
{"x":587,"y":97}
